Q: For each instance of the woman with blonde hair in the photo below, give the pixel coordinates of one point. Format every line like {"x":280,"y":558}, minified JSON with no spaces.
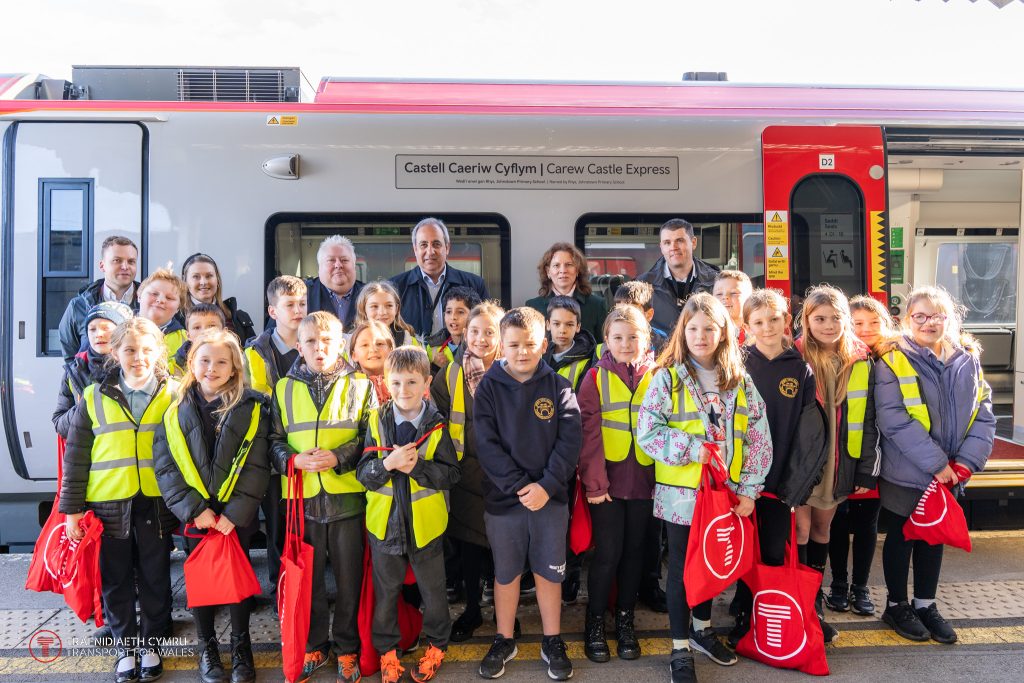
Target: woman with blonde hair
{"x":936,"y":423}
{"x":563,"y":271}
{"x":212,"y":467}
{"x":842,"y":371}
{"x":700,"y":396}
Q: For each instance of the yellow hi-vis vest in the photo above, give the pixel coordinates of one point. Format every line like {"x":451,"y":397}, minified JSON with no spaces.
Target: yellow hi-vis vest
{"x":598,"y":351}
{"x":429,"y":507}
{"x":619,"y":410}
{"x":457,"y":411}
{"x":174,"y":340}
{"x":336,"y":424}
{"x":183,"y":457}
{"x":856,"y":406}
{"x":687,"y":418}
{"x":122,"y":451}
{"x":910,"y":389}
{"x":259,"y":378}
{"x":574,"y":372}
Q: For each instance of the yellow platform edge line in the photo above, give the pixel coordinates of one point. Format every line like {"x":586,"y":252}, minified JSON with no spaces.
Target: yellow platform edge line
{"x":651,"y":647}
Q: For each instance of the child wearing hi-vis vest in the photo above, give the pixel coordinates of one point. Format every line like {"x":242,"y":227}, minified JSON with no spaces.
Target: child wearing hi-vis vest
{"x":407,"y":467}
{"x":618,"y":479}
{"x":321,"y":411}
{"x":108,"y":468}
{"x":160,"y":297}
{"x":211,"y":463}
{"x":701,"y":395}
{"x":457,"y":302}
{"x":845,"y":391}
{"x":453,"y":391}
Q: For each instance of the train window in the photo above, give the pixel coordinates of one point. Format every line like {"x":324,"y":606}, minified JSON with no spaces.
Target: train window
{"x":828,"y":234}
{"x":981,"y":276}
{"x":383,"y":242}
{"x":65,"y":234}
{"x":624,"y":246}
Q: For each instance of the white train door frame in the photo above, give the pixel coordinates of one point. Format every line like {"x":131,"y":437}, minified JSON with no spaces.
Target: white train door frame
{"x":108,"y":162}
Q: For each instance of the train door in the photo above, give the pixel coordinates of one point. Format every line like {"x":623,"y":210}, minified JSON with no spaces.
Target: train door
{"x":824,"y":209}
{"x":72,"y":186}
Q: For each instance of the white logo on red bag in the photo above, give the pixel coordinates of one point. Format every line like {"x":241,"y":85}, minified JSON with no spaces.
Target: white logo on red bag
{"x":59,"y":545}
{"x":923,"y":512}
{"x":718,"y":534}
{"x":778,"y":625}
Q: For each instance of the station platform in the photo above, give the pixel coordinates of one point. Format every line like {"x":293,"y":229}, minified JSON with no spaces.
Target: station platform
{"x":982,"y":594}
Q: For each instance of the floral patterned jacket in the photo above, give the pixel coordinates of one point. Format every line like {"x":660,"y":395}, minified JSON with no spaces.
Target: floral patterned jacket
{"x":675,"y":447}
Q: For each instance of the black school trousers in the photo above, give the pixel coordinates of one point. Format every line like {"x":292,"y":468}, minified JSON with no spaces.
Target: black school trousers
{"x":897,"y":553}
{"x":857,"y":518}
{"x":341,"y":544}
{"x":675,"y":592}
{"x":619,"y":536}
{"x":388,"y":576}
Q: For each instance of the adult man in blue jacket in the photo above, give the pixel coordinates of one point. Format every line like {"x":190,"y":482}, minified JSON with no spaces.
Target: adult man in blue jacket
{"x":119,"y":262}
{"x":335,"y":289}
{"x":422,"y":289}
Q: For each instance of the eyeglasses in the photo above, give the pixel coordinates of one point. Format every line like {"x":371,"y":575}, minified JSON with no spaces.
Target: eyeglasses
{"x":924,"y":318}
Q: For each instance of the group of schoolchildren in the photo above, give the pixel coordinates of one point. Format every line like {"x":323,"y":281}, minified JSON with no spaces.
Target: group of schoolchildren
{"x":473,"y":440}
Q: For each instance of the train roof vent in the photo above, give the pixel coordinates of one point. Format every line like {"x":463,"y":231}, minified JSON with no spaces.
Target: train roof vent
{"x":189,"y":83}
{"x":955,"y":141}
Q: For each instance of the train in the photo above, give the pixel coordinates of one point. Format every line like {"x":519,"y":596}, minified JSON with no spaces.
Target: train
{"x":870,"y":189}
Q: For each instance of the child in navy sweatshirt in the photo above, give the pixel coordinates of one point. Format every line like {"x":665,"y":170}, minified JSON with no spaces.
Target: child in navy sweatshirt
{"x":528,"y":437}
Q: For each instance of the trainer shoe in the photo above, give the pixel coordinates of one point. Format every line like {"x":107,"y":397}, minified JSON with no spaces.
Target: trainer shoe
{"x":706,"y":642}
{"x":311,"y":663}
{"x":391,"y":669}
{"x":465,"y":625}
{"x":860,"y":601}
{"x":681,"y":667}
{"x":503,"y":650}
{"x":739,"y":629}
{"x":552,"y":651}
{"x":906,"y":622}
{"x":937,"y":626}
{"x":838,"y":598}
{"x":428,"y":665}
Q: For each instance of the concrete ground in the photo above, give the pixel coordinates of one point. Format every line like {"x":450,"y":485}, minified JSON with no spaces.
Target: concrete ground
{"x":982,"y":594}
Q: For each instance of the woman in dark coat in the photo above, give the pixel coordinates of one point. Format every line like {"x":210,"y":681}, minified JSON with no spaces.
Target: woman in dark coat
{"x":563,"y":272}
{"x":205,"y":286}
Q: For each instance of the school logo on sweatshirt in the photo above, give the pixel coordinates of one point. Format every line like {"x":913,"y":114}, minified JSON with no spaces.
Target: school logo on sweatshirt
{"x":789,"y":386}
{"x":544,"y":408}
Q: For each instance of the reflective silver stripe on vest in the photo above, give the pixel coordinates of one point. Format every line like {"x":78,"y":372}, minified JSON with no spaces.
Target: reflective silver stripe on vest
{"x":859,"y":393}
{"x":333,"y":424}
{"x":615,"y":424}
{"x":454,"y":417}
{"x":907,"y":380}
{"x":147,"y":427}
{"x":606,"y":391}
{"x":425,"y":493}
{"x":102,"y":427}
{"x":145,"y":462}
{"x":289,"y":410}
{"x":114,"y":464}
{"x":912,"y":401}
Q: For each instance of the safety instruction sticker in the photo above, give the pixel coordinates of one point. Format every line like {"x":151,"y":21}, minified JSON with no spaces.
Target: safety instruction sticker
{"x":776,"y":234}
{"x":282,"y":120}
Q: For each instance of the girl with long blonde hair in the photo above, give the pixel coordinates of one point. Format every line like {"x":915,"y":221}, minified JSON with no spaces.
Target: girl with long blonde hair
{"x":700,"y":396}
{"x":380,"y":301}
{"x":212,"y":467}
{"x":844,"y":384}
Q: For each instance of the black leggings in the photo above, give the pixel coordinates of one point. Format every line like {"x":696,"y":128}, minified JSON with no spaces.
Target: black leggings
{"x":476,"y":560}
{"x":675,"y":591}
{"x":773,"y":525}
{"x":896,"y":556}
{"x":618,"y":552}
{"x":858,"y":518}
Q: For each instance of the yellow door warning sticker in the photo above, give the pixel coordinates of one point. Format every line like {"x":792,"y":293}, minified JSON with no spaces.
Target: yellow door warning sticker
{"x":776,"y":228}
{"x":282,"y":120}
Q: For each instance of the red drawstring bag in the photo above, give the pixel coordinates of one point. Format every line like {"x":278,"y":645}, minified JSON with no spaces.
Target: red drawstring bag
{"x":410,"y":619}
{"x":938,"y":519}
{"x":581,"y":529}
{"x":295,"y":581}
{"x":720,"y":549}
{"x":784,"y":629}
{"x":217,"y":571}
{"x":79,"y":571}
{"x":42,"y":577}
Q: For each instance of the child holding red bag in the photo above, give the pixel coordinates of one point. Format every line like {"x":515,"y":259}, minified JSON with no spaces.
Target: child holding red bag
{"x":932,"y":371}
{"x":212,"y":467}
{"x":617,"y":477}
{"x":701,"y":395}
{"x":108,"y":469}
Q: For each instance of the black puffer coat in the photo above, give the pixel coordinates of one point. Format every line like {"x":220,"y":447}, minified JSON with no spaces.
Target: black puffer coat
{"x":116,"y":515}
{"x":214,"y":465}
{"x":84,"y":369}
